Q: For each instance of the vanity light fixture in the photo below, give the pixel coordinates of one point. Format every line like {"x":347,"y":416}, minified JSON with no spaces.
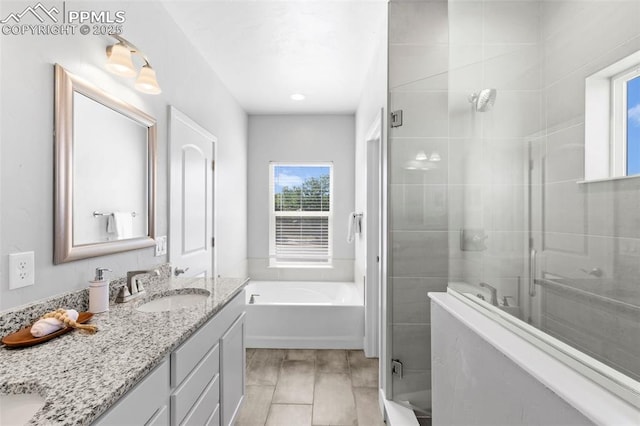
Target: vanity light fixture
{"x":434,"y":157}
{"x":146,"y":82}
{"x":421,"y":156}
{"x":119,"y":62}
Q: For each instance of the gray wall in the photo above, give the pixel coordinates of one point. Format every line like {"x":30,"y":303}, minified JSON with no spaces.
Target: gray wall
{"x":371,"y":109}
{"x":300,"y":138}
{"x":418,"y":228}
{"x":26,"y":148}
{"x":373,"y":100}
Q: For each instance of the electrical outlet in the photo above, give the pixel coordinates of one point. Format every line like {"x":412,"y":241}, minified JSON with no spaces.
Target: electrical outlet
{"x":161,"y":245}
{"x":21,"y":269}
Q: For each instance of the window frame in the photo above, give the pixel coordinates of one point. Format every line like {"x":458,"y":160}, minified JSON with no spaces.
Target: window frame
{"x":620,"y":120}
{"x":273,"y":215}
{"x":605,"y":115}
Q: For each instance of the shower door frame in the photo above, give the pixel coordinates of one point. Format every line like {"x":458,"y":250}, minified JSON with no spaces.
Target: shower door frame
{"x":374,"y":232}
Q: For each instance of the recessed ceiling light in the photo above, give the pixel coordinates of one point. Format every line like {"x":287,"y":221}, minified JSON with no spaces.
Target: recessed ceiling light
{"x":297,"y":97}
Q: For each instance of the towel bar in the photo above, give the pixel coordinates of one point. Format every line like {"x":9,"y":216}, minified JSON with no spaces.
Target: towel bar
{"x":97,"y":213}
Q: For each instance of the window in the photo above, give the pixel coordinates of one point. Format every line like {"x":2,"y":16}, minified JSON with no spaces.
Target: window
{"x":612,"y":121}
{"x":300,"y":223}
{"x":625,"y":89}
{"x":633,"y":126}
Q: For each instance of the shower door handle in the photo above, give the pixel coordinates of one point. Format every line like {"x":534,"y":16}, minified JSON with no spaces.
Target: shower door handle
{"x":397,"y":368}
{"x":532,"y":273}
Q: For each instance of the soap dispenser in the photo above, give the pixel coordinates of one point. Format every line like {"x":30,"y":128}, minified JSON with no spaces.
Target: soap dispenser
{"x":99,"y":292}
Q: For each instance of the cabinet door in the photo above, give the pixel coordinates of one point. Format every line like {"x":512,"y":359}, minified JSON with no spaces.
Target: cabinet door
{"x":144,"y":403}
{"x":160,"y":418}
{"x":232,"y":365}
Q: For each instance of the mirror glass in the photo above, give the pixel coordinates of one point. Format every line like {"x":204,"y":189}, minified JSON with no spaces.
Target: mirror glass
{"x":105,"y":172}
{"x":109,"y":174}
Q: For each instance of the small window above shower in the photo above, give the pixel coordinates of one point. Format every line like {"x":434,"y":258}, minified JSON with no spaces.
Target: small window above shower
{"x":612,"y":121}
{"x":300,"y":218}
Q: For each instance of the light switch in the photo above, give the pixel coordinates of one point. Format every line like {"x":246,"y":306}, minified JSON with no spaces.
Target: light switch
{"x":161,"y":245}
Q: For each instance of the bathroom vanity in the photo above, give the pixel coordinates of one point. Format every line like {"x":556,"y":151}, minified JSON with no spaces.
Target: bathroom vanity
{"x":181,"y":366}
{"x":199,"y":383}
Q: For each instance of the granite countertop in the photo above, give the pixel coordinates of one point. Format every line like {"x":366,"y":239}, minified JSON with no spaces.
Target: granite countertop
{"x":82,"y":375}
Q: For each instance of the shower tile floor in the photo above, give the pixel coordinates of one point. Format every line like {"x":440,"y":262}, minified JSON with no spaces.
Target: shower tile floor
{"x":296,"y":387}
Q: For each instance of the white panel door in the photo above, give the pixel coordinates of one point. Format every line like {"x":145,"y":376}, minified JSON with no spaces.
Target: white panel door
{"x":191,"y":197}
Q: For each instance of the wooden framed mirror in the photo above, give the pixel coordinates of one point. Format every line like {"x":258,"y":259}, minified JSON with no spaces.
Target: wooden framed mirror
{"x":105,"y":172}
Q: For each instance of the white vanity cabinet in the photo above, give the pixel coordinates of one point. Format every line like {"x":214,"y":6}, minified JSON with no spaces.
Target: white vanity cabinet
{"x":233,"y":360}
{"x":146,"y":404}
{"x":207,"y":370}
{"x":201,"y":382}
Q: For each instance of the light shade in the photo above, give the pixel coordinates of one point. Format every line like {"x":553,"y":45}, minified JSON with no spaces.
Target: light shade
{"x":297,"y":97}
{"x":120,"y":61}
{"x":146,"y":82}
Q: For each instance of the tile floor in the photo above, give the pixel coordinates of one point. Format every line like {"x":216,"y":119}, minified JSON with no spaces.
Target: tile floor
{"x":296,"y":387}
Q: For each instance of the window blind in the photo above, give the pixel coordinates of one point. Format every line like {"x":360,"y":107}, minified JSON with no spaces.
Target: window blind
{"x":300,"y":214}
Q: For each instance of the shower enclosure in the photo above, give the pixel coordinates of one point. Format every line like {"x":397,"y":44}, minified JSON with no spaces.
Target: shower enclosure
{"x":486,"y":186}
{"x":560,"y":251}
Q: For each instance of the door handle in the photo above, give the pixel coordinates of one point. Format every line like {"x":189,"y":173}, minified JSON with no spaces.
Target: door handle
{"x":532,"y":272}
{"x":179,"y":271}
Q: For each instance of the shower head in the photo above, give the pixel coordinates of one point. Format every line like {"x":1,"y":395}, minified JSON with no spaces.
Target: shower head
{"x":483,"y":100}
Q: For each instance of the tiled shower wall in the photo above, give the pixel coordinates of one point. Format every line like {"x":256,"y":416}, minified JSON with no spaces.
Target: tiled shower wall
{"x":591,"y":225}
{"x":494,"y":44}
{"x":508,"y":171}
{"x":537,"y":55}
{"x":418,"y":214}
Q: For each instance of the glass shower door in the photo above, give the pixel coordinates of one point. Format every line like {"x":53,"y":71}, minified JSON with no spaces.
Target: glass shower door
{"x":417,"y":175}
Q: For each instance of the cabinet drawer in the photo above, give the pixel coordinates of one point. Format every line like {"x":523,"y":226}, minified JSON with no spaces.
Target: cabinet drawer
{"x":193,"y":386}
{"x":142,"y":402}
{"x":205,"y":406}
{"x":187,"y":356}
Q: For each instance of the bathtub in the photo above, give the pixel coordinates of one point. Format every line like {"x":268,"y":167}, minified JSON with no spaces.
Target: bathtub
{"x":304,"y":315}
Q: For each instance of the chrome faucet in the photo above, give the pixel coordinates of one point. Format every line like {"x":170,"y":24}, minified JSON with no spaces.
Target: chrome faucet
{"x":493,"y":291}
{"x":134,"y":287}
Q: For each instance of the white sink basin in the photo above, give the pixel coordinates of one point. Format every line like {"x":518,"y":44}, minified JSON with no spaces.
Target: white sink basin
{"x":173,"y":302}
{"x":20,"y":408}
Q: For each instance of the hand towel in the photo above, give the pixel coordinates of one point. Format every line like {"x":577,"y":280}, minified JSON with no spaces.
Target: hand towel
{"x":121,"y":224}
{"x":354,"y":226}
{"x":46,"y":326}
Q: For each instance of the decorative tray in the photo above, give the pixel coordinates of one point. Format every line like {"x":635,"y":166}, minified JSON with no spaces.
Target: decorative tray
{"x":24,"y":338}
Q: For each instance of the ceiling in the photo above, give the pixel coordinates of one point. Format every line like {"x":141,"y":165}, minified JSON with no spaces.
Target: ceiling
{"x":265,"y":51}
